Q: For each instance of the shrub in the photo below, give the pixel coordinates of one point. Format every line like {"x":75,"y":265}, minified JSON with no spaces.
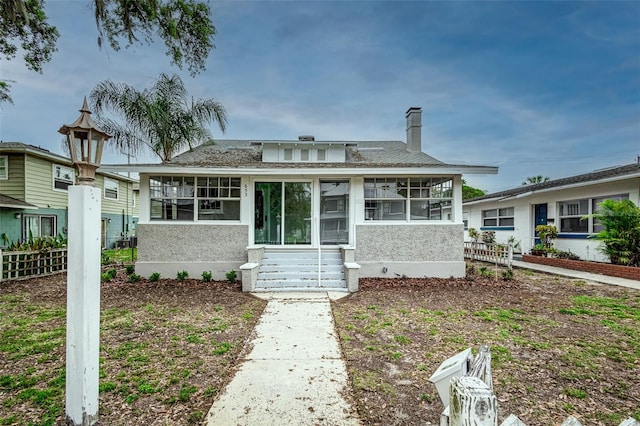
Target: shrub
{"x":105,"y":277}
{"x":547,"y":233}
{"x":105,"y":259}
{"x":471,"y":269}
{"x":567,"y":255}
{"x":182,"y":275}
{"x":154,"y":277}
{"x":134,"y":278}
{"x":488,"y":237}
{"x":507,"y":275}
{"x":485,"y":272}
{"x":620,"y":235}
{"x":231,"y":276}
{"x":206,"y":276}
{"x":474,"y":234}
{"x":130,"y":269}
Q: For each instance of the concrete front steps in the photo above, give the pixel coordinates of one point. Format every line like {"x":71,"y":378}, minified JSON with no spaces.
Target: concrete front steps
{"x":296,"y":269}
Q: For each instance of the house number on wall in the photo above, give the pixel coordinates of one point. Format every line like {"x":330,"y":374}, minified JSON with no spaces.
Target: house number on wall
{"x":246,"y":190}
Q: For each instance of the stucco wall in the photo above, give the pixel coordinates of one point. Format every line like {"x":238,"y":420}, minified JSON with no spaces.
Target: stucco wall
{"x":409,"y":243}
{"x":523,"y":230}
{"x":192,"y":243}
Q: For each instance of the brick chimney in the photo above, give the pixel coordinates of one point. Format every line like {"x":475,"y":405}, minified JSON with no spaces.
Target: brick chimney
{"x":414,"y":129}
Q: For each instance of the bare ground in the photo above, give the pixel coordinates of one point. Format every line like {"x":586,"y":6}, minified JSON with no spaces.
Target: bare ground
{"x":559,"y":347}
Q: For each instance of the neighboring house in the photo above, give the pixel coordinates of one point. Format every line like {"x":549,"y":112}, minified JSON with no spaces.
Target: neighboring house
{"x":391,"y":208}
{"x":33,"y":196}
{"x":561,"y":202}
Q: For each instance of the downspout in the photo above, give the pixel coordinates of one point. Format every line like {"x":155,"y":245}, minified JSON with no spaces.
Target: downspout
{"x":319,"y":251}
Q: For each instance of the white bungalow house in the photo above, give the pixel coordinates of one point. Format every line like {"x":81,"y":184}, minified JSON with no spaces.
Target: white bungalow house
{"x":303,"y":213}
{"x":560,"y":202}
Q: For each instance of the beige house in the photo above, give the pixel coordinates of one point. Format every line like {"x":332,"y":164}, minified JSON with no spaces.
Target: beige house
{"x":303,"y":213}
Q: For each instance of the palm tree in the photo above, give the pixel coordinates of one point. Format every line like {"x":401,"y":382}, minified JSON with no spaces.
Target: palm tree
{"x":531,"y":180}
{"x":160,"y":118}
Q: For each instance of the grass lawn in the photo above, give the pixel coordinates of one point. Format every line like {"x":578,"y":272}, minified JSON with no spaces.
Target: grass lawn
{"x":559,"y":347}
{"x":167,"y":349}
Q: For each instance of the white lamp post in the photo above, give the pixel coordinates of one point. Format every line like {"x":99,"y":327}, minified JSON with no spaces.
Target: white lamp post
{"x":85,"y":142}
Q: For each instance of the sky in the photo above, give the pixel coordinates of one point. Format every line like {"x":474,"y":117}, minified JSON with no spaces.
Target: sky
{"x":534,"y":88}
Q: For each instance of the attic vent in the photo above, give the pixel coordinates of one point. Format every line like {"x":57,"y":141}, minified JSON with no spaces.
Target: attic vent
{"x":306,"y":138}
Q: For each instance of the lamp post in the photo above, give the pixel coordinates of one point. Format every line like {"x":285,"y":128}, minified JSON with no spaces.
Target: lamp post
{"x":85,"y":141}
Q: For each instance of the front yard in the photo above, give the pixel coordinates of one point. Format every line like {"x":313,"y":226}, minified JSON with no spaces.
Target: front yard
{"x":559,"y":347}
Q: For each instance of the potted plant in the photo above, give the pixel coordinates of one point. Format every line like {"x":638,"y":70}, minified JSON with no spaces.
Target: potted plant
{"x":539,"y":250}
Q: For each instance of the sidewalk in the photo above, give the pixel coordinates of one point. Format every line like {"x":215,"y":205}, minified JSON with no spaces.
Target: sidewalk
{"x":294,"y":373}
{"x":604,"y":279}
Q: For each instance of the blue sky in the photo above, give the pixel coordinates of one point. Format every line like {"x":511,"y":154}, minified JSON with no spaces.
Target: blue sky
{"x":549,"y":88}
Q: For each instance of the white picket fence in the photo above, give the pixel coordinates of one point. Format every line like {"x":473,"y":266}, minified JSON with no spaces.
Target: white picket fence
{"x":15,"y":265}
{"x":488,"y":252}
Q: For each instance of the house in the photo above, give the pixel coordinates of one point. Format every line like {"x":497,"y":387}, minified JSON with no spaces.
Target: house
{"x":303,"y":213}
{"x":560,"y":202}
{"x":33,"y":196}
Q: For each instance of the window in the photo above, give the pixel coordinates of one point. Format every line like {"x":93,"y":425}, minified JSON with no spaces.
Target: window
{"x":38,"y":226}
{"x":4,"y":167}
{"x":189,"y":198}
{"x":111,"y":188}
{"x":572,"y":212}
{"x":303,"y":154}
{"x":498,"y":217}
{"x":63,"y":177}
{"x":408,"y":198}
{"x":595,"y":206}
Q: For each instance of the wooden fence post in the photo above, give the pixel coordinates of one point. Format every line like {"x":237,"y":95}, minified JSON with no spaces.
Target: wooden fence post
{"x":472,"y":403}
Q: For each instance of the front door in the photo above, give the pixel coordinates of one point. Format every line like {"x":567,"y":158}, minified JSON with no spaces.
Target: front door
{"x":540,"y":218}
{"x":283,"y":213}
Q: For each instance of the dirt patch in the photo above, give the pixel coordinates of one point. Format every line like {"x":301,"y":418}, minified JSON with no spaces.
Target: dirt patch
{"x":559,"y":346}
{"x":167,"y":349}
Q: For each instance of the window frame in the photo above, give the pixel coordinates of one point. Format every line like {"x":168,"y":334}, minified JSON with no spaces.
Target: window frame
{"x":504,"y":218}
{"x":4,"y":167}
{"x":54,"y":225}
{"x":105,"y":189}
{"x":590,"y":202}
{"x":69,"y":182}
{"x":391,"y":198}
{"x":196,"y":192}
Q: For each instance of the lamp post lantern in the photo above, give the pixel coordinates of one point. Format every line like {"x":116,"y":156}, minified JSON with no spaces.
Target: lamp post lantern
{"x":85,"y":141}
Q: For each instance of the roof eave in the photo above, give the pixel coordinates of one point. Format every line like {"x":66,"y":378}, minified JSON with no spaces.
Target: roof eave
{"x":201,"y":170}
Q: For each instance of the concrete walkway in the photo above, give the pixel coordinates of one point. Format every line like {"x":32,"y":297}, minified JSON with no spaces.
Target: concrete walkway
{"x":294,"y":373}
{"x":604,"y":279}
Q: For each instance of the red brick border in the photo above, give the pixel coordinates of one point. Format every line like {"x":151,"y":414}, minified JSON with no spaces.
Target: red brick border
{"x":619,"y":271}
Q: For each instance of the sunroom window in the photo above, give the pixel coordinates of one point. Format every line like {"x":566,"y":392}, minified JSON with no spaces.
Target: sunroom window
{"x":187,"y":198}
{"x":408,"y":198}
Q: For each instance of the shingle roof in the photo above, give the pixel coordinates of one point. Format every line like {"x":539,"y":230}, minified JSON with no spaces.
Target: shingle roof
{"x":14,"y":203}
{"x":246,"y":153}
{"x":612,"y":172}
